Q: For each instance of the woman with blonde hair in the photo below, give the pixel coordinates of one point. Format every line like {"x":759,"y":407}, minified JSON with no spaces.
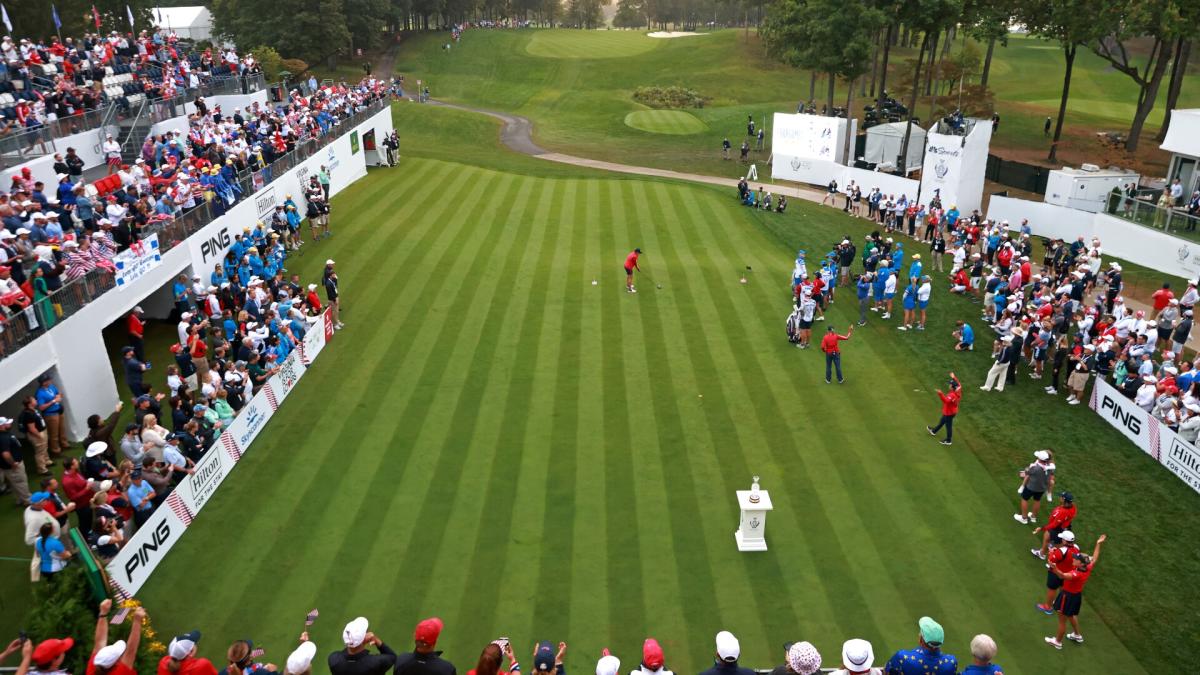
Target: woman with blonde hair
{"x":154,"y":437}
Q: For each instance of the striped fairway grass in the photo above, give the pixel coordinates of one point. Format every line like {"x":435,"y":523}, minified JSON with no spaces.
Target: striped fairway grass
{"x":495,"y":441}
{"x":676,"y":122}
{"x":589,"y":44}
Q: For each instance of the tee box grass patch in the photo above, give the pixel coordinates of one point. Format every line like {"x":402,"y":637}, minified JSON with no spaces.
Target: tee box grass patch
{"x":677,"y":122}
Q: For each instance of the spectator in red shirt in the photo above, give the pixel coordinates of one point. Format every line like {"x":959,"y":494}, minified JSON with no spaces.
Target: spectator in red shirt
{"x":1070,"y":598}
{"x":833,"y":353}
{"x":1062,"y":558}
{"x":1060,"y":519}
{"x":117,"y":658}
{"x":950,"y":402}
{"x":1162,"y":297}
{"x":181,"y":657}
{"x":79,"y":491}
{"x":137,"y":332}
{"x":631,"y":264}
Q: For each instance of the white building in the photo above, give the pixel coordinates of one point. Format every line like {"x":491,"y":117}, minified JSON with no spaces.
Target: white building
{"x":1183,"y":142}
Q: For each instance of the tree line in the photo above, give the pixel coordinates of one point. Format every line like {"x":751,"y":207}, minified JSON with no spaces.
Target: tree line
{"x":1148,"y":41}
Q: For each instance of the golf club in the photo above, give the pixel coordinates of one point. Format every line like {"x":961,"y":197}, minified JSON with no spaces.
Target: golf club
{"x":651,"y":280}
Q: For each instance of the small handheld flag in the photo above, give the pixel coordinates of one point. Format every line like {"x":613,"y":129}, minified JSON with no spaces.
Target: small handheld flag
{"x":4,"y":17}
{"x":129,"y":13}
{"x":96,"y":17}
{"x":312,"y":616}
{"x":54,"y":15}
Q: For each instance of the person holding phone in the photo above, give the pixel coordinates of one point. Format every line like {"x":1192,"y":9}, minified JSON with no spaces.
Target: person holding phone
{"x":355,"y":659}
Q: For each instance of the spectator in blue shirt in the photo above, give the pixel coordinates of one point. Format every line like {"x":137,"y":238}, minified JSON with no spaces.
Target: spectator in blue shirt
{"x":141,"y":497}
{"x":864,"y":297}
{"x":983,"y":650}
{"x":180,"y":290}
{"x":914,"y":269}
{"x":927,"y":657}
{"x":54,"y":556}
{"x":49,"y":403}
{"x":965,"y":336}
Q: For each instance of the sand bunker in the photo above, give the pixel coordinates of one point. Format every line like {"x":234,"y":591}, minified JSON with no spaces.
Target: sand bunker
{"x":671,"y":34}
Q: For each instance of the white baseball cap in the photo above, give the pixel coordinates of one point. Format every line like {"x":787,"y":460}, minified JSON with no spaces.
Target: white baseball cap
{"x":1066,"y":535}
{"x":300,"y":660}
{"x":96,"y":448}
{"x":355,"y":632}
{"x":728,"y":647}
{"x":107,"y":657}
{"x":1042,"y":455}
{"x":608,"y":665}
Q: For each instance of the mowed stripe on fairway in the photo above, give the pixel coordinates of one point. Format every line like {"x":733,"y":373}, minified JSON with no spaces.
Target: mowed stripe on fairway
{"x":496,"y":441}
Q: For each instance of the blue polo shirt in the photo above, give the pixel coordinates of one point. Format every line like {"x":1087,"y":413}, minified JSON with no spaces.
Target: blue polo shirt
{"x":1184,"y":381}
{"x":968,"y":334}
{"x":45,"y":395}
{"x":864,"y":289}
{"x":921,"y":661}
{"x":139,"y":495}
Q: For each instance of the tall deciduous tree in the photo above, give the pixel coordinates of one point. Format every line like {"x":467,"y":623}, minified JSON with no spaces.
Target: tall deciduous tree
{"x":1162,"y":21}
{"x":315,"y":30}
{"x":1072,"y":23}
{"x":927,"y":17}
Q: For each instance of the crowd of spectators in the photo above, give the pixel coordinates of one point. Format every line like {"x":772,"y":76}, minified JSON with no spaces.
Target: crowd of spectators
{"x":59,"y":79}
{"x":363,"y":652}
{"x":55,"y":234}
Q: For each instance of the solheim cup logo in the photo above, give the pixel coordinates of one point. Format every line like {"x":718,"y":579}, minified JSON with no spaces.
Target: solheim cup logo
{"x":941,"y":169}
{"x":1184,"y":253}
{"x":795,"y":163}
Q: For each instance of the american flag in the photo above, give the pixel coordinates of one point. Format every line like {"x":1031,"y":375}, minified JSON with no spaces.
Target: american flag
{"x":1154,"y":438}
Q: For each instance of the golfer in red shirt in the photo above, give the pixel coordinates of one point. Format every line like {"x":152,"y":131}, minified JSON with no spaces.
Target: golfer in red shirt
{"x":631,"y":264}
{"x":950,"y":401}
{"x":1060,"y":519}
{"x":1070,"y":598}
{"x":833,"y":353}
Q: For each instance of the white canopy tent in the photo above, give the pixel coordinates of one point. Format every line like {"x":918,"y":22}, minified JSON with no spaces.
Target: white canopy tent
{"x":884,"y":142}
{"x":1183,"y":142}
{"x":191,"y":23}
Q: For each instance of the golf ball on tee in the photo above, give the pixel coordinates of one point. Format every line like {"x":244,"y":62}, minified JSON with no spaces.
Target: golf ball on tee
{"x":660,"y":285}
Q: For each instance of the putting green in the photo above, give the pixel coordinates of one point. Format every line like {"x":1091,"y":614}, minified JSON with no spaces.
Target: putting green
{"x":584,"y":44}
{"x":675,"y":122}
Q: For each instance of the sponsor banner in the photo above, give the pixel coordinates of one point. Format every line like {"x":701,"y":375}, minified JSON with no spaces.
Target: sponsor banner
{"x":1129,"y":419}
{"x":134,"y":262}
{"x":289,"y":374}
{"x":213,"y":467}
{"x":942,"y":168}
{"x":144,"y":551}
{"x":249,"y":422}
{"x":314,"y":340}
{"x":264,"y":203}
{"x":808,"y":136}
{"x":328,"y":324}
{"x":1180,"y":457}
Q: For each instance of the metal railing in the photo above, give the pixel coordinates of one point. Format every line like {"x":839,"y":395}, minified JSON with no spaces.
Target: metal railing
{"x":23,"y":146}
{"x":1145,"y":212}
{"x":17,"y":330}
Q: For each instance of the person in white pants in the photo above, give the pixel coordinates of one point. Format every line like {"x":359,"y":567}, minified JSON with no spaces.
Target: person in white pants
{"x":999,"y":370}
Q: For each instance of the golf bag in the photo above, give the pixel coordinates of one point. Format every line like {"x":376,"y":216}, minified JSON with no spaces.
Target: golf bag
{"x":793,"y":326}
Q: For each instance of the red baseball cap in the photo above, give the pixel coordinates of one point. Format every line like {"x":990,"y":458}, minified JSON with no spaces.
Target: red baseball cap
{"x":428,"y":630}
{"x":652,"y":655}
{"x":48,"y":650}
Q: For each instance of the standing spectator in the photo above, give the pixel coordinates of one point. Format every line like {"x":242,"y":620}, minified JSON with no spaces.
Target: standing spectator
{"x":1060,"y":519}
{"x":857,"y":658}
{"x":1182,"y":330}
{"x":31,"y":422}
{"x":50,"y":405}
{"x":950,"y":401}
{"x":323,"y":178}
{"x":801,"y":659}
{"x":52,"y":555}
{"x":833,"y":353}
{"x":355,"y":659}
{"x":79,"y":491}
{"x":141,"y":498}
{"x":423,"y":660}
{"x":1062,"y":556}
{"x":653,"y":662}
{"x":1036,"y":480}
{"x":725,"y":146}
{"x":12,"y":464}
{"x":728,"y":651}
{"x":333,"y":295}
{"x":117,"y":658}
{"x":48,"y":656}
{"x":1070,"y":598}
{"x":299,"y":662}
{"x":134,"y":368}
{"x":997,"y":374}
{"x":181,"y":658}
{"x":983,"y":650}
{"x":927,"y":657}
{"x":136,"y":326}
{"x":112,"y":153}
{"x":74,"y":164}
{"x":101,"y":431}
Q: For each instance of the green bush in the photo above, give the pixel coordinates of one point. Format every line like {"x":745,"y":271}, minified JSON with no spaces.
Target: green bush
{"x":669,"y":97}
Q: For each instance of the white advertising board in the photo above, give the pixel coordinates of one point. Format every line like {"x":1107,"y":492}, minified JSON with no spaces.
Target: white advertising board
{"x":144,"y":551}
{"x":1179,"y":456}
